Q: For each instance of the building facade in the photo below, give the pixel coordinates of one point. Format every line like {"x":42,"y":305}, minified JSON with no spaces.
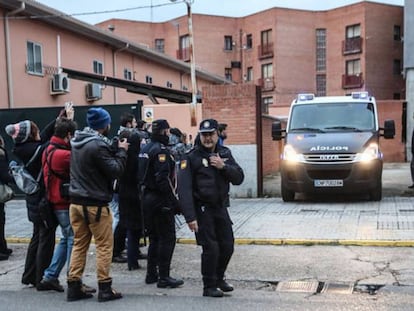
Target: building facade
{"x":286,"y":52}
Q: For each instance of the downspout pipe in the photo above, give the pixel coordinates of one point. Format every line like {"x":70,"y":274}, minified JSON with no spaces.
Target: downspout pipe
{"x":8,"y":54}
{"x":114,"y":67}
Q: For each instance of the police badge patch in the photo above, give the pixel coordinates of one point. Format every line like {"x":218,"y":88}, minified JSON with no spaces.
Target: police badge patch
{"x":183,"y":164}
{"x":205,"y":162}
{"x":162,"y":157}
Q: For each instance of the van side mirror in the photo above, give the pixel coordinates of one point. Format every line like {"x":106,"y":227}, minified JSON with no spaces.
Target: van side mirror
{"x":389,"y":129}
{"x":277,"y":132}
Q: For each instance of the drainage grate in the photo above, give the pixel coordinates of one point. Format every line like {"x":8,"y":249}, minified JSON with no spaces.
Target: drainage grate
{"x":335,"y":288}
{"x":298,"y":286}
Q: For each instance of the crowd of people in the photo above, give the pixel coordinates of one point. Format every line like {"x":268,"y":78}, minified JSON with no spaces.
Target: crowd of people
{"x":121,"y":192}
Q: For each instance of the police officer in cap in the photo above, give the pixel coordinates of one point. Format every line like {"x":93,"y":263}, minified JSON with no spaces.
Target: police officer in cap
{"x":156,"y":177}
{"x":204,"y":179}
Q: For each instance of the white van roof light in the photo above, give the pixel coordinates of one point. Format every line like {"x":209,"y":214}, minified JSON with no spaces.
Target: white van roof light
{"x":303,"y":97}
{"x":359,"y":95}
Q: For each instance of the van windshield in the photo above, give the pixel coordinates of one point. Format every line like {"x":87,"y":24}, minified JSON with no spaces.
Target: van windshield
{"x":327,"y":117}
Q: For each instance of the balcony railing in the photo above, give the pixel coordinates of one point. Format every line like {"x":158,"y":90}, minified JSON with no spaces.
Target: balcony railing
{"x":267,"y":84}
{"x":184,"y":54}
{"x":352,"y":81}
{"x":265,"y":50}
{"x":352,"y":45}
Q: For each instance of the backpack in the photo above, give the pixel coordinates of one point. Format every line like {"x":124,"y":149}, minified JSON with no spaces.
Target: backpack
{"x":24,"y":180}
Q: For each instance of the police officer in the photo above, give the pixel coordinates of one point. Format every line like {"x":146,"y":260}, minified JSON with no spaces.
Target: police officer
{"x":156,"y":176}
{"x":203,"y":185}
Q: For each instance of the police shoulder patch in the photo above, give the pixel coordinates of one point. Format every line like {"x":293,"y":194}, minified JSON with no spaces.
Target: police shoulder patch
{"x":183,"y":164}
{"x":162,"y":157}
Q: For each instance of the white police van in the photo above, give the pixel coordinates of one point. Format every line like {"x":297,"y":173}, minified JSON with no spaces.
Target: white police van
{"x":332,"y":146}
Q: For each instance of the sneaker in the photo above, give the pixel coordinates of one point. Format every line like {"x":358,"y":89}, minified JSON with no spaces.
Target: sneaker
{"x":50,"y":285}
{"x":213,"y":292}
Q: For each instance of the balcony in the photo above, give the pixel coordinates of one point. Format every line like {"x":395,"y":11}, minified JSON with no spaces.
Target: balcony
{"x":352,"y":81}
{"x":267,"y":84}
{"x":265,"y":50}
{"x":184,"y":54}
{"x":352,"y":46}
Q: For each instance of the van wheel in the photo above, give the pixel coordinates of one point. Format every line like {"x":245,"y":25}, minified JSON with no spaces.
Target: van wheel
{"x":287,"y":195}
{"x":376,"y":193}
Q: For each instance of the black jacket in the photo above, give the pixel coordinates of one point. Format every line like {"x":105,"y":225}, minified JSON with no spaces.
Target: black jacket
{"x":129,"y":204}
{"x":200,"y":184}
{"x":93,"y":167}
{"x":156,"y":172}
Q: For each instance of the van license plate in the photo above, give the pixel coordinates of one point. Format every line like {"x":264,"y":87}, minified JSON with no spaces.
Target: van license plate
{"x":328,"y":183}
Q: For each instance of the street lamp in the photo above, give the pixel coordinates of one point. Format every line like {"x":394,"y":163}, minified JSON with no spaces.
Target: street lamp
{"x":192,"y":63}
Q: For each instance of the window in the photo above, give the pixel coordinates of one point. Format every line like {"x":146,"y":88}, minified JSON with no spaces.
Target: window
{"x":249,"y":41}
{"x":396,"y":96}
{"x":321,"y":85}
{"x":320,"y":49}
{"x":267,"y":71}
{"x":227,"y":74}
{"x":228,"y":43}
{"x":159,"y":45}
{"x":396,"y":68}
{"x":353,"y":31}
{"x":266,"y":37}
{"x":249,"y":75}
{"x":34,"y":58}
{"x":148,"y":79}
{"x":184,"y":42}
{"x":127,"y":74}
{"x":353,"y":67}
{"x":169,"y":84}
{"x":266,"y":101}
{"x":397,"y":33}
{"x":97,"y":67}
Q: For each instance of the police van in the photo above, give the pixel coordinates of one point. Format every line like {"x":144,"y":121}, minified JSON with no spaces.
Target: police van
{"x":332,"y":146}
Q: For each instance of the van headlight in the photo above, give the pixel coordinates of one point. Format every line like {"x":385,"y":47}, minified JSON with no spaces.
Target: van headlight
{"x":370,"y":153}
{"x":289,"y":154}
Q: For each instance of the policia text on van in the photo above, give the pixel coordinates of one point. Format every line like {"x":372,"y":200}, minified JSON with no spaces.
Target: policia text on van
{"x":332,"y":146}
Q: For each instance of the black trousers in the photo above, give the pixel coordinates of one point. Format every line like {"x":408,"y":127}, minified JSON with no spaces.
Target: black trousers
{"x":39,"y":253}
{"x":3,"y":242}
{"x":215,"y":235}
{"x":160,"y":226}
{"x":120,"y":235}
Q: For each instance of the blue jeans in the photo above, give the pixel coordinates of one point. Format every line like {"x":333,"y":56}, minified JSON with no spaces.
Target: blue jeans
{"x":64,"y":248}
{"x":114,"y":206}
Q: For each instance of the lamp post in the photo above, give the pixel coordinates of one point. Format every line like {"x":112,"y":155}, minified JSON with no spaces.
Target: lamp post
{"x":192,"y":63}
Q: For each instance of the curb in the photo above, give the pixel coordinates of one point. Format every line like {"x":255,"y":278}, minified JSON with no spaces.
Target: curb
{"x":303,"y":242}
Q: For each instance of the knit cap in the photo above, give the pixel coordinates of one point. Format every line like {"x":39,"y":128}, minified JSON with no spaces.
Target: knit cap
{"x":19,"y":131}
{"x":97,"y":118}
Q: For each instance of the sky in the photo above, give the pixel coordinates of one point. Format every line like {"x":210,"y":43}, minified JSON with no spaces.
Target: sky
{"x":95,"y":11}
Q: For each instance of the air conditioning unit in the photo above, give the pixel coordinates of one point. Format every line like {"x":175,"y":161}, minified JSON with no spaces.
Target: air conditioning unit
{"x":59,"y":84}
{"x":93,"y":91}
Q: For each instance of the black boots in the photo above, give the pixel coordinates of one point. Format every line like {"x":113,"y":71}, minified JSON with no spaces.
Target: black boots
{"x":169,"y":282}
{"x":224,"y":286}
{"x":212,"y":292}
{"x":76,"y":292}
{"x":106,"y":292}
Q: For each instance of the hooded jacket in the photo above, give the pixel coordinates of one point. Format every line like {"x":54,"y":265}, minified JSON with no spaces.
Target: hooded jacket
{"x":93,"y":167}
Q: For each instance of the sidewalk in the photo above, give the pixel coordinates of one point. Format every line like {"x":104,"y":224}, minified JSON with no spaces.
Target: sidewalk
{"x":389,"y":222}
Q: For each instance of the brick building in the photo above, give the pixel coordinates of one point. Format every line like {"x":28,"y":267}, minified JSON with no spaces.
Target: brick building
{"x":285,"y":51}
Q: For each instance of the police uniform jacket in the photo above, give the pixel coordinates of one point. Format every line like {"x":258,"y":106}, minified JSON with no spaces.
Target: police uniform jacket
{"x":200,"y":184}
{"x":156,"y":172}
